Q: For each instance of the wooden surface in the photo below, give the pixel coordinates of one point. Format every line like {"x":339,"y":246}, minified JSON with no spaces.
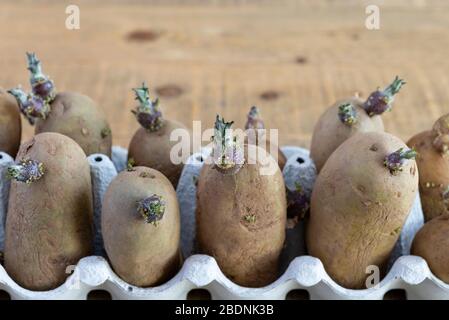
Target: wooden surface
{"x":291,"y":58}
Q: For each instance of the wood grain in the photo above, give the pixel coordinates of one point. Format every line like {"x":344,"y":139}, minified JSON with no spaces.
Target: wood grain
{"x":291,"y":58}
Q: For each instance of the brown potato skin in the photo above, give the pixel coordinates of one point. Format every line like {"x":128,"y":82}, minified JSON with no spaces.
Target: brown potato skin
{"x":10,"y":124}
{"x":330,"y":132}
{"x":152,"y":149}
{"x":248,"y":253}
{"x":432,"y":243}
{"x":433,"y":168}
{"x":358,"y":207}
{"x":142,"y":254}
{"x":49,"y":222}
{"x":78,"y":117}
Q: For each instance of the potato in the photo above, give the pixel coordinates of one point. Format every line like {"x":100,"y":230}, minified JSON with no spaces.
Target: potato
{"x":241,"y":213}
{"x":150,"y":146}
{"x":432,"y":243}
{"x":79,"y":118}
{"x":360,"y":202}
{"x":141,"y":227}
{"x":68,"y":113}
{"x":348,"y":117}
{"x":49,"y":220}
{"x":260,"y":138}
{"x":433,"y":165}
{"x":10,"y":125}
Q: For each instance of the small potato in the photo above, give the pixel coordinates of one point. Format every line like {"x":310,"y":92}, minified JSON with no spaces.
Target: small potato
{"x":330,"y":133}
{"x":78,"y":117}
{"x":258,"y":136}
{"x":348,"y":117}
{"x":141,"y":227}
{"x":433,"y":164}
{"x":359,"y":204}
{"x":152,"y":149}
{"x":151,"y":145}
{"x":10,"y":125}
{"x":50,"y":212}
{"x":432,"y":243}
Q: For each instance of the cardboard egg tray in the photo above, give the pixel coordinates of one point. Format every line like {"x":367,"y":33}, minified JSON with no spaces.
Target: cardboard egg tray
{"x":299,"y":271}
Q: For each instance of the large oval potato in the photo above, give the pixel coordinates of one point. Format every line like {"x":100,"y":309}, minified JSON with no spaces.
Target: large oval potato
{"x":329,"y":132}
{"x":241,"y":219}
{"x":49,"y":220}
{"x":152,"y":149}
{"x":358,"y":207}
{"x":143,"y":248}
{"x":432,"y":243}
{"x":78,"y":117}
{"x":10,"y":124}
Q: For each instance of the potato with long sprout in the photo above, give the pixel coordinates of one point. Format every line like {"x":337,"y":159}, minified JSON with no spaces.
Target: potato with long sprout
{"x":151,"y":145}
{"x":68,"y":113}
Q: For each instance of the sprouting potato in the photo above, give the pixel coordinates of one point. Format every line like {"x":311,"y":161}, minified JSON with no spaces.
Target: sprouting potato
{"x":69,"y":113}
{"x":348,"y":117}
{"x":151,"y":144}
{"x":360,"y":202}
{"x":141,"y":227}
{"x":241,"y":213}
{"x":50,"y":212}
{"x":260,"y":138}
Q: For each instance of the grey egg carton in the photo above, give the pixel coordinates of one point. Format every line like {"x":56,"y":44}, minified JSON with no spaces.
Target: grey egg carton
{"x":299,"y":271}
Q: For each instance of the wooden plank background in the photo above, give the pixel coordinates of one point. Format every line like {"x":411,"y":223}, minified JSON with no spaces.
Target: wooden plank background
{"x":291,"y":58}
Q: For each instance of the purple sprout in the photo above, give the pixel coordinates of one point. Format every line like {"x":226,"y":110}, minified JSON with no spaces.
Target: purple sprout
{"x":254,"y":120}
{"x":228,"y":154}
{"x":395,"y":161}
{"x":27,"y":171}
{"x":380,"y":101}
{"x":147,"y":113}
{"x":152,"y":209}
{"x":347,"y":114}
{"x":298,"y":203}
{"x":41,"y":84}
{"x":32,"y":106}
